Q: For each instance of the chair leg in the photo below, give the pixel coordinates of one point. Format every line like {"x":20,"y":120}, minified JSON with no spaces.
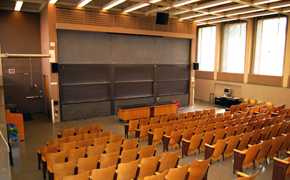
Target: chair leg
{"x":44,"y":169}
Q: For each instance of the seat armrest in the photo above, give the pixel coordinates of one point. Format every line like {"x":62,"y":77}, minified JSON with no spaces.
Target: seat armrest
{"x":238,"y":151}
{"x":47,"y":144}
{"x":58,"y":135}
{"x":166,"y":136}
{"x":210,"y":146}
{"x":240,"y":174}
{"x":281,"y":160}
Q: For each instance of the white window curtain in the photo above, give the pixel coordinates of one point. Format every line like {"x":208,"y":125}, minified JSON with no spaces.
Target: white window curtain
{"x":234,"y":46}
{"x":270,"y":46}
{"x":206,"y":48}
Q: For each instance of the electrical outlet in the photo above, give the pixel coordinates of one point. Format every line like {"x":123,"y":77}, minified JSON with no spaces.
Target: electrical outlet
{"x":32,"y":88}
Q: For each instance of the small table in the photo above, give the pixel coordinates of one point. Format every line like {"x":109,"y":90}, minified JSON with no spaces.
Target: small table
{"x":227,"y":101}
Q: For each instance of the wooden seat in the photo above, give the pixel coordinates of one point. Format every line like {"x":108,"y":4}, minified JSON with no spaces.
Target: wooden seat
{"x":211,"y":121}
{"x":90,"y":136}
{"x":256,"y":136}
{"x":163,"y":119}
{"x":274,"y":131}
{"x":199,"y":169}
{"x":96,"y":128}
{"x":82,"y":130}
{"x":250,"y":126}
{"x":107,"y":173}
{"x":274,"y":120}
{"x":191,"y":124}
{"x":283,"y":127}
{"x":186,"y":120}
{"x":189,"y":114}
{"x":219,"y":115}
{"x":154,"y":120}
{"x":130,"y":127}
{"x":201,"y":122}
{"x":44,"y":150}
{"x":241,"y":129}
{"x":181,"y":116}
{"x":129,"y":155}
{"x":210,"y":127}
{"x":52,"y":158}
{"x":244,"y":159}
{"x":60,"y":170}
{"x":154,"y":126}
{"x":156,"y":136}
{"x":105,"y":133}
{"x":74,"y":154}
{"x":176,"y":122}
{"x":143,"y":121}
{"x":264,"y":150}
{"x":243,"y":176}
{"x":277,"y":142}
{"x":181,"y":126}
{"x":237,"y":122}
{"x":219,"y":134}
{"x":211,"y":116}
{"x":204,"y":117}
{"x":245,"y":120}
{"x":87,"y":164}
{"x":192,"y":145}
{"x":172,"y":117}
{"x":177,"y":173}
{"x":212,"y":111}
{"x":231,"y":145}
{"x":95,"y":150}
{"x":172,"y":141}
{"x":67,"y":146}
{"x":66,"y":132}
{"x":266,"y":132}
{"x":187,"y":134}
{"x":267,"y":122}
{"x":169,"y":129}
{"x":85,"y":143}
{"x":228,"y":117}
{"x":147,"y":151}
{"x":215,"y":151}
{"x":142,"y":134}
{"x":148,"y":166}
{"x":57,"y":141}
{"x":244,"y":141}
{"x":207,"y":139}
{"x":282,"y":117}
{"x":116,"y":138}
{"x":197,"y":113}
{"x":231,"y":131}
{"x":113,"y":147}
{"x":159,"y":176}
{"x":110,"y":159}
{"x":74,"y":138}
{"x":199,"y":130}
{"x":130,"y":144}
{"x":220,"y":125}
{"x":79,"y":176}
{"x":169,"y":160}
{"x":285,"y":145}
{"x":253,"y":118}
{"x":164,"y":124}
{"x":101,"y":140}
{"x":242,"y":115}
{"x":127,"y":171}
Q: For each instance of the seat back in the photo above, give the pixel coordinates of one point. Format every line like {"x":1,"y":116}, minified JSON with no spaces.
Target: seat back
{"x":267,"y":122}
{"x":181,"y":116}
{"x":283,"y":127}
{"x":250,"y":126}
{"x":219,"y":134}
{"x":189,"y":114}
{"x":79,"y":176}
{"x":48,"y":149}
{"x":147,"y":151}
{"x":148,"y":166}
{"x":105,"y":133}
{"x":143,"y":121}
{"x":199,"y":169}
{"x":211,"y":120}
{"x":82,"y":130}
{"x":160,"y":176}
{"x":175,"y":136}
{"x":85,"y":143}
{"x":204,"y":117}
{"x":212,"y":111}
{"x":90,"y":136}
{"x":101,"y":140}
{"x":158,"y":134}
{"x":264,"y":149}
{"x":187,"y":133}
{"x":191,"y":124}
{"x":210,"y":127}
{"x":130,"y":144}
{"x":181,"y":126}
{"x":248,"y":177}
{"x":164,"y":124}
{"x":201,"y":122}
{"x":244,"y":141}
{"x":282,"y":117}
{"x":133,"y":124}
{"x":87,"y":164}
{"x":251,"y":153}
{"x":285,"y":144}
{"x":186,"y":120}
{"x":256,"y":136}
{"x":220,"y":125}
{"x":177,"y":173}
{"x":169,"y":160}
{"x":54,"y":158}
{"x":176,"y":122}
{"x":61,"y":170}
{"x":74,"y":138}
{"x":74,"y":154}
{"x":154,"y":120}
{"x":110,"y":159}
{"x":199,"y":130}
{"x":95,"y":150}
{"x":265,"y":133}
{"x":67,"y":132}
{"x":127,"y":171}
{"x":96,"y":128}
{"x":241,"y":129}
{"x":219,"y":148}
{"x":163,"y":118}
{"x":243,"y":114}
{"x":231,"y":145}
{"x":274,"y":132}
{"x":259,"y":124}
{"x":154,"y":126}
{"x":277,"y":142}
{"x":237,"y":121}
{"x":67,"y":146}
{"x":169,"y":129}
{"x":197,"y":113}
{"x":232,"y":109}
{"x":129,"y":155}
{"x":116,"y":138}
{"x":113,"y":147}
{"x":207,"y":138}
{"x":172,"y":117}
{"x":231,"y":131}
{"x":107,"y":173}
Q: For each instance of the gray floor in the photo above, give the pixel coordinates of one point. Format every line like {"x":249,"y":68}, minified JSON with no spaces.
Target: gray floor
{"x":41,"y":130}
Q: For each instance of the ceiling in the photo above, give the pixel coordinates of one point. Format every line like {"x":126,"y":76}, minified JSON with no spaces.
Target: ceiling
{"x":201,"y":11}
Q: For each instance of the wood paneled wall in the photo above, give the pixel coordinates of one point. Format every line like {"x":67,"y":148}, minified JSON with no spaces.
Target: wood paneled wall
{"x":204,"y":74}
{"x":265,"y":80}
{"x":235,"y":77}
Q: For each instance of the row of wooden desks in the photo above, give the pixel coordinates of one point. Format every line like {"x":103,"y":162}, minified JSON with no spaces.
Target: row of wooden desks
{"x":138,"y":111}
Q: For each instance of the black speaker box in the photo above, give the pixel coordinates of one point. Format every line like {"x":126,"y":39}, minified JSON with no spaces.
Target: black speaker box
{"x":195,"y":66}
{"x":162,"y":18}
{"x":54,"y":67}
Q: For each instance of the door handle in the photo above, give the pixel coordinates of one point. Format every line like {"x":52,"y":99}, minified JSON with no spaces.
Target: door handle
{"x":33,"y":97}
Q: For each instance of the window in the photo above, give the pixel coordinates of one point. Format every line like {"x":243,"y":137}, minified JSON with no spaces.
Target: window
{"x":206,"y":48}
{"x":234,"y":46}
{"x":270,"y":46}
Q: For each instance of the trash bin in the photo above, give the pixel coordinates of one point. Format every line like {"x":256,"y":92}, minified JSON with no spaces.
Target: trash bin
{"x":14,"y":151}
{"x":10,"y":126}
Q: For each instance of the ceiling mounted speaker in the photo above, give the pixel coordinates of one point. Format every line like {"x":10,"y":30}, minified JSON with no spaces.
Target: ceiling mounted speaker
{"x":195,"y":66}
{"x":162,"y":18}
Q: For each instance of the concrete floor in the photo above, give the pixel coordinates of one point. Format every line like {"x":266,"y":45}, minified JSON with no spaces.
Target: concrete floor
{"x":41,"y":130}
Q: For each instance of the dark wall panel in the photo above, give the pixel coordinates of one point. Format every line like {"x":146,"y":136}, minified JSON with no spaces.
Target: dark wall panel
{"x":172,"y":73}
{"x":127,"y":49}
{"x":172,"y":87}
{"x":133,"y":73}
{"x":133,"y":101}
{"x":79,"y":47}
{"x":123,"y":90}
{"x":85,"y":110}
{"x":172,"y":51}
{"x":182,"y":99}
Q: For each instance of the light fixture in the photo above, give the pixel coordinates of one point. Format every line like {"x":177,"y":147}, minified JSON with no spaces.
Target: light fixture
{"x":243,"y":11}
{"x":18,"y":5}
{"x":257,"y":14}
{"x":286,"y":9}
{"x":183,"y":2}
{"x":178,"y":12}
{"x":155,"y":1}
{"x":221,"y":20}
{"x":200,"y":24}
{"x":205,"y":18}
{"x":82,"y":3}
{"x":210,"y":4}
{"x":279,"y":4}
{"x":227,"y":8}
{"x":136,"y":6}
{"x":113,"y":3}
{"x":52,"y":1}
{"x":159,"y":9}
{"x":258,"y":2}
{"x":192,"y":15}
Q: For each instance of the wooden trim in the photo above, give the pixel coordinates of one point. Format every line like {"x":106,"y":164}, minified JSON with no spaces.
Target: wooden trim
{"x":288,"y":81}
{"x":235,"y":77}
{"x":265,"y":80}
{"x":204,"y":74}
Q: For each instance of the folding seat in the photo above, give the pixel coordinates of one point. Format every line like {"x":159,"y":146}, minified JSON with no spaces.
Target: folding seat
{"x":231,"y":131}
{"x":66,"y":132}
{"x":211,"y":121}
{"x":256,"y":136}
{"x":210,"y":127}
{"x":44,"y":150}
{"x":142,"y":133}
{"x":251,"y":111}
{"x":105,"y":133}
{"x":274,"y":120}
{"x":283,"y":127}
{"x":191,"y":124}
{"x":244,"y":141}
{"x":186,"y":120}
{"x":285,"y":145}
{"x":250,"y":126}
{"x":212,"y":111}
{"x":192,"y":145}
{"x":82,"y":130}
{"x":181,"y":126}
{"x":129,"y":155}
{"x":235,"y":116}
{"x":107,"y":173}
{"x":163,"y":119}
{"x":274,"y":131}
{"x":127,"y":171}
{"x":90,"y":136}
{"x":168,"y":160}
{"x":219,"y":134}
{"x":130,"y":144}
{"x":113,"y":147}
{"x":96,"y":128}
{"x":164,"y":124}
{"x":206,"y":139}
{"x":228,"y":117}
{"x":199,"y":130}
{"x":195,"y":118}
{"x":219,"y":115}
{"x":199,"y":169}
{"x":220,"y":125}
{"x":187,"y":134}
{"x":197,"y":114}
{"x":176,"y":122}
{"x":181,"y":116}
{"x":159,"y":176}
{"x":215,"y":151}
{"x":116,"y":138}
{"x":130,"y":128}
{"x":277,"y":142}
{"x":231,"y":145}
{"x":211,"y":116}
{"x":169,"y":129}
{"x":237,"y":121}
{"x":154,"y":120}
{"x":189,"y":115}
{"x":261,"y":116}
{"x":147,"y":151}
{"x":110,"y":159}
{"x":242,"y":115}
{"x":243,"y":176}
{"x":60,"y":170}
{"x":238,"y":108}
{"x":259,"y":124}
{"x":244,"y":159}
{"x":205,"y":112}
{"x":229,"y":123}
{"x":148,"y":166}
{"x":172,"y":141}
{"x":177,"y":173}
{"x":75,"y":154}
{"x":172,"y":117}
{"x":80,"y":176}
{"x":87,"y":164}
{"x":253,"y":118}
{"x":101,"y":140}
{"x":204,"y":117}
{"x":241,"y":129}
{"x":264,"y":150}
{"x":267,"y":122}
{"x":245,"y":120}
{"x":52,"y":158}
{"x":142,"y":122}
{"x":95,"y":150}
{"x":74,"y":138}
{"x":67,"y":146}
{"x":156,"y":136}
{"x":201,"y":122}
{"x":266,"y":132}
{"x":56,"y":141}
{"x":85,"y":143}
{"x":154,"y":126}
{"x":281,"y":118}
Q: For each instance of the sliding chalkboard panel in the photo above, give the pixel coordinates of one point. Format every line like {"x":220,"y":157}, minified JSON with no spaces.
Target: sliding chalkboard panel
{"x":172,"y":87}
{"x":130,"y":90}
{"x":125,"y":74}
{"x":172,"y":73}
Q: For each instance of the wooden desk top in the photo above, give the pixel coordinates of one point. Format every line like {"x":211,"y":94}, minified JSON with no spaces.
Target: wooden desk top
{"x":145,"y":105}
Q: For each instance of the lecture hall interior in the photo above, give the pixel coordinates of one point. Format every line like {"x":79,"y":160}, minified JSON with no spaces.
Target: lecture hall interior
{"x":144,"y":89}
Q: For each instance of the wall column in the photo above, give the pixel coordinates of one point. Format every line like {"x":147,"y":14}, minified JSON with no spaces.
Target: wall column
{"x":249,"y":47}
{"x":286,"y":71}
{"x":192,"y":72}
{"x":217,"y":49}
